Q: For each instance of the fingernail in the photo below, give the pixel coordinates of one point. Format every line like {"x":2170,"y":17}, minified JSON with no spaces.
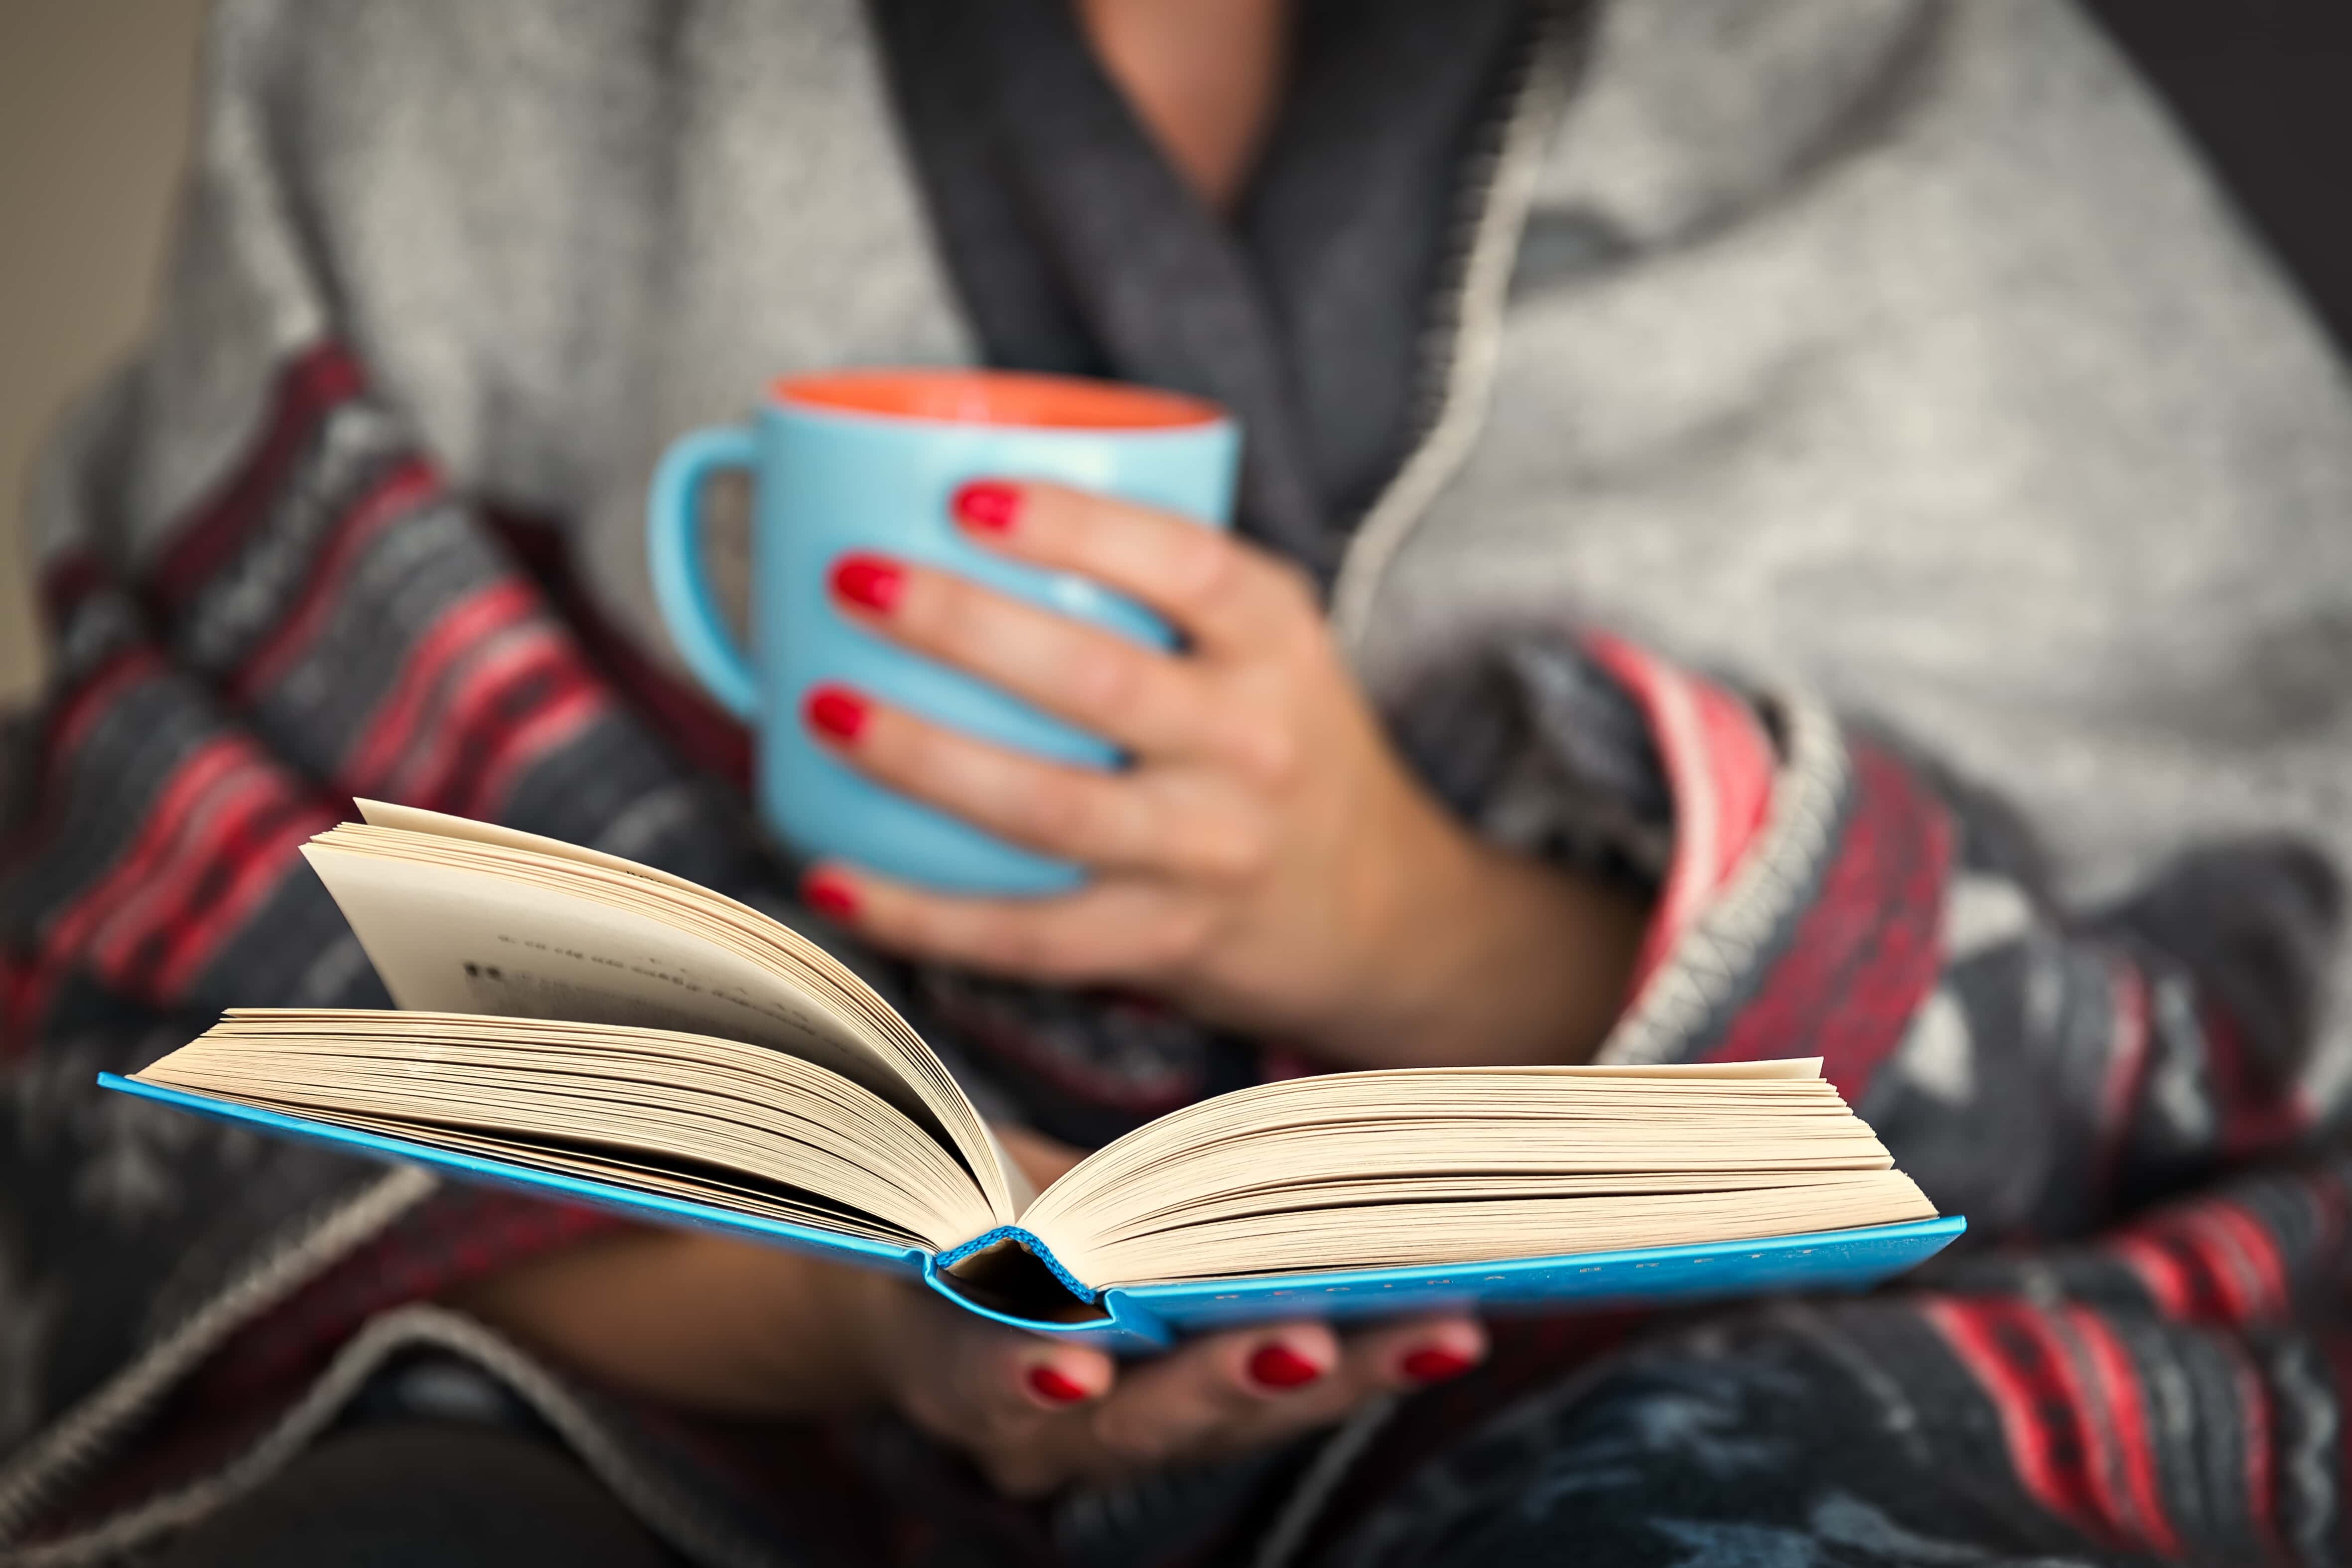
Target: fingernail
{"x":873,"y":580}
{"x":990,"y":504}
{"x":1279,"y":1366}
{"x":1054,"y":1385}
{"x":836,"y":711}
{"x":829,"y":895}
{"x":1433,"y":1365}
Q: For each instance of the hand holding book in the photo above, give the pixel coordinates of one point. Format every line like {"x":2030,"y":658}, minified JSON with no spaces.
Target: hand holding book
{"x":739,"y":1328}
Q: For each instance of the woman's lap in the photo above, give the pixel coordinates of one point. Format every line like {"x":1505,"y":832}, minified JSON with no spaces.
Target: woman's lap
{"x":1859,"y":1435}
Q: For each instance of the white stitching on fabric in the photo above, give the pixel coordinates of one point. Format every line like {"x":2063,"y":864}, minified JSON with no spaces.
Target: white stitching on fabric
{"x":1469,"y":379}
{"x":1719,"y":947}
{"x":674,"y":1516}
{"x":1331,"y":1464}
{"x":83,"y":1433}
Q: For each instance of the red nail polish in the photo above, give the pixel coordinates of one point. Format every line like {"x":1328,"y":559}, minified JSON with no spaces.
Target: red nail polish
{"x":1052,"y":1384}
{"x":873,"y":580}
{"x":836,"y":711}
{"x":829,"y":895}
{"x":1435,"y":1365}
{"x":987,"y":504}
{"x":1279,"y":1366}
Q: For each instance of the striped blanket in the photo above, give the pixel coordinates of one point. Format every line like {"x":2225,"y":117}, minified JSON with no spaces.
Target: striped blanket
{"x":1921,"y":362}
{"x":2138,"y":1358}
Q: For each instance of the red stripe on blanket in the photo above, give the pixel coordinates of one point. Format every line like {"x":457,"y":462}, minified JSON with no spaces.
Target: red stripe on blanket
{"x":2009,"y":1369}
{"x":2160,"y":1273}
{"x":234,"y":888}
{"x":416,"y":703}
{"x":30,"y":975}
{"x":2217,"y":1260}
{"x":2135,"y":1494}
{"x":697,"y":729}
{"x":2211,"y":1261}
{"x":2213,"y":1296}
{"x":2072,"y":1410}
{"x":220,"y":833}
{"x":2258,"y":1114}
{"x":394,"y":494}
{"x":2086,"y":1441}
{"x":166,"y":820}
{"x":2241,"y":1257}
{"x":565,"y":711}
{"x":2230,"y":1289}
{"x":1867,"y":951}
{"x":1719,"y":764}
{"x":310,"y":386}
{"x":232,"y":845}
{"x":2128,"y":1056}
{"x":208,"y":895}
{"x":77,"y":711}
{"x":504,"y":713}
{"x":27,"y":984}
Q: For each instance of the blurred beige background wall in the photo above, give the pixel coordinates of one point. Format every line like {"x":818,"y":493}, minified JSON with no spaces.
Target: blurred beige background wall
{"x":94,"y":111}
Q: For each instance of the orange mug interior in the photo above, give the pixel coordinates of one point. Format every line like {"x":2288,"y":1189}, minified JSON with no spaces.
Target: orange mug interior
{"x":995,"y":397}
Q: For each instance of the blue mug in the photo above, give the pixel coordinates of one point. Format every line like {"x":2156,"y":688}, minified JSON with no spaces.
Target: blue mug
{"x":868,"y":461}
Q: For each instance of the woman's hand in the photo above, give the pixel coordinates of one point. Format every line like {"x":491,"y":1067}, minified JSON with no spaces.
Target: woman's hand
{"x":749,"y":1331}
{"x":1266,"y":862}
{"x":1035,"y":1413}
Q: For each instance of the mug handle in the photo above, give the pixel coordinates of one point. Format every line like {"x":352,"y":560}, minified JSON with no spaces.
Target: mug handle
{"x":674,"y":550}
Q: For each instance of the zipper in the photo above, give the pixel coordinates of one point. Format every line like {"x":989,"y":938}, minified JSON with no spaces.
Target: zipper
{"x":1470,"y":312}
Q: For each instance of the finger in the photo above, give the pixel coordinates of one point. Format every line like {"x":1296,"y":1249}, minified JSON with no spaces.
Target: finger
{"x":1401,"y":1357}
{"x":1057,"y":1378}
{"x":1059,"y":1386}
{"x":1013,"y":1401}
{"x":1225,"y":594}
{"x":1110,"y":930}
{"x":1007,"y":1379}
{"x":1172,"y":822}
{"x":1103,"y":682}
{"x":970,"y":1382}
{"x":1079,"y":813}
{"x":1211,"y":1394}
{"x":1245,"y":1391}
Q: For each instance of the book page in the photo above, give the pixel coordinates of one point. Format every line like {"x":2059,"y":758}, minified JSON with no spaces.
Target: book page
{"x":1431,"y":1166}
{"x":440,"y":825}
{"x":448,"y":941}
{"x":757,"y":1130}
{"x":473,"y":922}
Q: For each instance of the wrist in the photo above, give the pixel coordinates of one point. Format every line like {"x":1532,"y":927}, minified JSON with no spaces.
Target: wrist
{"x":699,"y":1320}
{"x":1489,"y":958}
{"x":860,"y":1312}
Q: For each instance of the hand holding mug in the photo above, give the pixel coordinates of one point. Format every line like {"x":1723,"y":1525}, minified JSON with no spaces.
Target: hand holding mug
{"x":1264,"y":861}
{"x":985,"y":732}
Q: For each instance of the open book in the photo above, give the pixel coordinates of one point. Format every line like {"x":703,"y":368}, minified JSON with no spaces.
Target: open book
{"x":582,"y":1025}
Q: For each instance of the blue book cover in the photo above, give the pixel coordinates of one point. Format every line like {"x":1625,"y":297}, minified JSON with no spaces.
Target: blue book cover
{"x":1141,"y":1318}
